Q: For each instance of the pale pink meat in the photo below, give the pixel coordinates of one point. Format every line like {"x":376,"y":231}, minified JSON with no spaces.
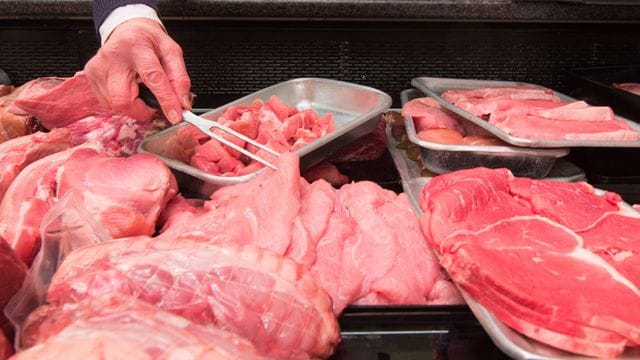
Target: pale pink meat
{"x":115,"y":327}
{"x":259,"y":295}
{"x":428,"y":114}
{"x":57,"y":102}
{"x":16,"y":154}
{"x":534,"y":127}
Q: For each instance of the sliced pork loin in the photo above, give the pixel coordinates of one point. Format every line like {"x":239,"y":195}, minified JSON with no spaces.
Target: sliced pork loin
{"x":118,"y":327}
{"x":485,"y":223}
{"x":261,"y":296}
{"x":16,"y":154}
{"x":125,"y":195}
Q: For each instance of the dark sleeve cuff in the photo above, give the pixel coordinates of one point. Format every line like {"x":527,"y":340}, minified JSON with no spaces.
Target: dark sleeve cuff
{"x":102,"y":8}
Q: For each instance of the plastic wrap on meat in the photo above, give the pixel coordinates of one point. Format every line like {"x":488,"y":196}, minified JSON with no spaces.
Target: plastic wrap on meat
{"x":263,"y":297}
{"x":17,"y":153}
{"x":571,"y":246}
{"x":126,"y":328}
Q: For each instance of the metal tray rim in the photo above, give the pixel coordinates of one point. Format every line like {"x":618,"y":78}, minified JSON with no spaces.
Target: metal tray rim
{"x":411,"y":133}
{"x":519,"y":141}
{"x":383,"y":103}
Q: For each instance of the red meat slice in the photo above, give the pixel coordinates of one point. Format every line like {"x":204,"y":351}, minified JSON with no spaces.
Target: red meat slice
{"x":16,"y":154}
{"x":5,"y":348}
{"x":570,"y":204}
{"x":633,"y":88}
{"x":59,"y":102}
{"x":233,"y":287}
{"x":121,"y":327}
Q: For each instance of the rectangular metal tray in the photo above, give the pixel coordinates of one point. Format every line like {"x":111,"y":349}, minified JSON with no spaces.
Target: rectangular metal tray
{"x":435,"y":87}
{"x":356,"y":110}
{"x":444,"y":158}
{"x":515,"y":345}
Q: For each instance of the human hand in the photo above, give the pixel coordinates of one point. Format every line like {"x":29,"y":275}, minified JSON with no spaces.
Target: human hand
{"x":140,"y":50}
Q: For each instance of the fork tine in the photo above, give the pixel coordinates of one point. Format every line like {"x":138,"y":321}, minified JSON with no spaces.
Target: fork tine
{"x":240,"y":149}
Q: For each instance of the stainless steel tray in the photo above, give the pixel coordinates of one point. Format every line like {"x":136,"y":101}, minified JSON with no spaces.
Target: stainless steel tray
{"x":356,"y":110}
{"x":512,"y":343}
{"x":434,"y":87}
{"x":444,"y":158}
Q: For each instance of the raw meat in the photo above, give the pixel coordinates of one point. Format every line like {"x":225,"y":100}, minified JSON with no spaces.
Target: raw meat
{"x":326,"y":171}
{"x":273,"y":123}
{"x":13,"y":274}
{"x":125,"y":195}
{"x":534,"y":127}
{"x":5,"y":348}
{"x":441,"y":136}
{"x":428,"y":114}
{"x":25,"y":203}
{"x":261,"y":296}
{"x":17,"y":153}
{"x":367,"y":148}
{"x":479,"y":140}
{"x":534,"y":113}
{"x":6,"y":90}
{"x":177,"y":207}
{"x":121,"y":327}
{"x":633,"y":88}
{"x":58,"y":102}
{"x":12,"y":125}
{"x":114,"y":134}
{"x":484,"y":223}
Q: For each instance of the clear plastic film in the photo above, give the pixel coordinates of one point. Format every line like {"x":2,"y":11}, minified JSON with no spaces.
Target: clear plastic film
{"x":65,"y":227}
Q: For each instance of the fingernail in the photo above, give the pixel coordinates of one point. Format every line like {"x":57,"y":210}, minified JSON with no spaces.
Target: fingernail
{"x":173,"y":117}
{"x":186,"y":102}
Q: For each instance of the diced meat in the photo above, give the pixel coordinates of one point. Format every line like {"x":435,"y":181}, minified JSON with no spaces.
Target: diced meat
{"x":571,"y":247}
{"x":233,"y":287}
{"x":533,"y":127}
{"x":633,"y":88}
{"x":13,"y":274}
{"x":16,"y":154}
{"x":122,"y":327}
{"x":428,"y":114}
{"x":57,"y":102}
{"x":441,"y":136}
{"x":366,"y":148}
{"x":326,"y":171}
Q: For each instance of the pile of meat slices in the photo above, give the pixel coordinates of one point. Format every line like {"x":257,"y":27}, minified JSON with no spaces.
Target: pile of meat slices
{"x":554,"y":261}
{"x":536,"y":113}
{"x":436,"y":124}
{"x":224,"y":278}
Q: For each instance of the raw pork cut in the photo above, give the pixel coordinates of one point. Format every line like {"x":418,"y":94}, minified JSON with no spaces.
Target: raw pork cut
{"x":125,"y":195}
{"x":12,"y":125}
{"x":367,"y":148}
{"x":633,"y":88}
{"x":326,"y":171}
{"x":261,"y":296}
{"x":17,"y":153}
{"x":5,"y":348}
{"x":126,"y":328}
{"x":13,"y":274}
{"x":58,"y":102}
{"x":428,"y":114}
{"x":485,"y":223}
{"x":534,"y":113}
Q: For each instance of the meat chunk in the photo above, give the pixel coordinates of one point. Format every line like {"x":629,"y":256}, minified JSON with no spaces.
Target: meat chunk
{"x":16,"y":154}
{"x":13,"y":274}
{"x":115,"y":327}
{"x":261,"y":296}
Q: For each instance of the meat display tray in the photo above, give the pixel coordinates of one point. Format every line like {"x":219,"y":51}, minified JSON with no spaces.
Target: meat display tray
{"x":435,"y":87}
{"x":595,"y":85}
{"x":512,"y":343}
{"x":356,"y":110}
{"x":444,"y":158}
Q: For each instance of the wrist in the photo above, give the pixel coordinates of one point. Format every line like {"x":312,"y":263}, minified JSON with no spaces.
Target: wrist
{"x":126,"y":13}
